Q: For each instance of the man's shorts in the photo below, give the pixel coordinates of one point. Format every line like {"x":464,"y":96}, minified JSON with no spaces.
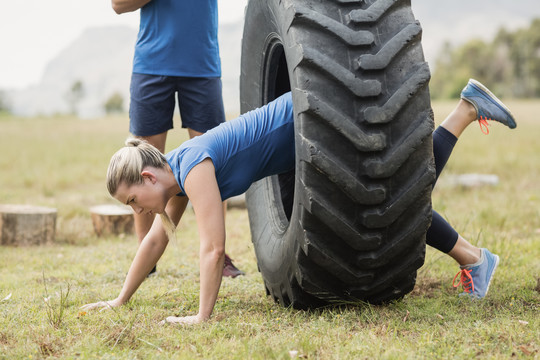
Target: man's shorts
{"x":152,"y":103}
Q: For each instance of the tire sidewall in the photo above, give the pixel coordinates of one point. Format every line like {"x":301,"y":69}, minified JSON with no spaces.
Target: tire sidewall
{"x":273,"y":235}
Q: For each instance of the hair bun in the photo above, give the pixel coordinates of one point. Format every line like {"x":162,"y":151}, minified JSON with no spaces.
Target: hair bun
{"x":134,"y":142}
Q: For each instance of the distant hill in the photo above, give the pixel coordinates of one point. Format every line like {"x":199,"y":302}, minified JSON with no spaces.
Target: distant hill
{"x":101,"y":58}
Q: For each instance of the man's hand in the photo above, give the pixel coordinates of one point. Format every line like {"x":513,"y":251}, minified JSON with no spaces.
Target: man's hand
{"x":123,"y":6}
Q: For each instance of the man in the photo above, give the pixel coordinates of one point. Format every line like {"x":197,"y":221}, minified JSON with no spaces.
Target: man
{"x":177,"y":52}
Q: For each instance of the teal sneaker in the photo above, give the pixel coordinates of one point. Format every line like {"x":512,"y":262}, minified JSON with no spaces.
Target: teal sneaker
{"x":476,"y":278}
{"x":487,"y":105}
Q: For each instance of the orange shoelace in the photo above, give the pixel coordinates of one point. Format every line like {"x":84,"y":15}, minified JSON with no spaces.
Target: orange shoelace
{"x":483,"y":122}
{"x":465,"y":280}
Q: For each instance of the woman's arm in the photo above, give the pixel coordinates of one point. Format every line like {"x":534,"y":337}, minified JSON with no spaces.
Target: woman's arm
{"x":123,"y":6}
{"x":149,"y":252}
{"x":202,"y":188}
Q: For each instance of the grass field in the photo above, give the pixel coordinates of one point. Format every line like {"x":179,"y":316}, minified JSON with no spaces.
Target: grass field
{"x":61,"y":162}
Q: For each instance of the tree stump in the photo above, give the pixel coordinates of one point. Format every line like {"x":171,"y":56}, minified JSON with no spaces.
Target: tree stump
{"x":112,"y":220}
{"x":22,"y":225}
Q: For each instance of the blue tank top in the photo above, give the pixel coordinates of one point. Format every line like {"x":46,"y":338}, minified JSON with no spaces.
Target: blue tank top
{"x":257,"y":144}
{"x":178,"y":38}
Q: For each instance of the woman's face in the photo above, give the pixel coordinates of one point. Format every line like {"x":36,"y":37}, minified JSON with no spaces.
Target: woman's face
{"x":145,"y":198}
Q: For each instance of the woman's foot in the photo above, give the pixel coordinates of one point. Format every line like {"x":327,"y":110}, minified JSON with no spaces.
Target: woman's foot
{"x":475,"y":278}
{"x":487,"y":105}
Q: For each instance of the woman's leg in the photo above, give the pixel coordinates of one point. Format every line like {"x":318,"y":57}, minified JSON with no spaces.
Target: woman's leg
{"x":478,"y":265}
{"x":441,"y":235}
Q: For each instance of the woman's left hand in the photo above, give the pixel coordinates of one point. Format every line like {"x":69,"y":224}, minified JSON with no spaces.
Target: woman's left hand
{"x":183,"y":320}
{"x":102,"y":305}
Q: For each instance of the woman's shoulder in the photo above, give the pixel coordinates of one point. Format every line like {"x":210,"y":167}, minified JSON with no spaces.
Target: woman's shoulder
{"x":185,"y":157}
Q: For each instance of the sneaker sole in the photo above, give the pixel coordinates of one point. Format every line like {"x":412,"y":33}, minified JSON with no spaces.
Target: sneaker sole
{"x":499,"y":103}
{"x":492,"y":273}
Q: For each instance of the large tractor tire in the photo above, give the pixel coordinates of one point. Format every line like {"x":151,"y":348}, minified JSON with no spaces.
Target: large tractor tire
{"x":349,"y":223}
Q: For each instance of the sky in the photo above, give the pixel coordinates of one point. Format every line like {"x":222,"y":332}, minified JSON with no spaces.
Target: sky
{"x":33,"y":32}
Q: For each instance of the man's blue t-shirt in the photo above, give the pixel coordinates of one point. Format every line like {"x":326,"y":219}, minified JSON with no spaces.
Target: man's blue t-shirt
{"x":257,"y":144}
{"x":178,"y":38}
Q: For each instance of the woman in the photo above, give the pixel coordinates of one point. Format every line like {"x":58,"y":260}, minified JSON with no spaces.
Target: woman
{"x":226,"y":160}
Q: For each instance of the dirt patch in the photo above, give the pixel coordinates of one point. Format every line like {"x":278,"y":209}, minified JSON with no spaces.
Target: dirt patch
{"x":49,"y":346}
{"x":47,"y":349}
{"x":426,"y":287}
{"x":5,"y":339}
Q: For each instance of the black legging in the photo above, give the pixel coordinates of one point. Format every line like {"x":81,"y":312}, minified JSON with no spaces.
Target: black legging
{"x":440,"y":234}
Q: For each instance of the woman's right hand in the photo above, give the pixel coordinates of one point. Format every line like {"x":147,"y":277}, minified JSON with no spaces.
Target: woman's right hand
{"x":102,"y":305}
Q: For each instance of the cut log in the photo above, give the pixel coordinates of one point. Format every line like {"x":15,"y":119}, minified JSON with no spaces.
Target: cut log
{"x":22,"y":225}
{"x":112,"y":220}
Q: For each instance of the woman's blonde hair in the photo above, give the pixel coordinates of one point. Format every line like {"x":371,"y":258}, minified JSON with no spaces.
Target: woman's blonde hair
{"x":127,"y":163}
{"x":126,"y":166}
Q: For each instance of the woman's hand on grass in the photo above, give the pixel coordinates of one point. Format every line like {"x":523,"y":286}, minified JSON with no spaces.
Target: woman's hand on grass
{"x":183,"y":320}
{"x":102,"y":305}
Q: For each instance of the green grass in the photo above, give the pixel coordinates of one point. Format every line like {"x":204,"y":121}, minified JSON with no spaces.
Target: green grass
{"x":61,"y":163}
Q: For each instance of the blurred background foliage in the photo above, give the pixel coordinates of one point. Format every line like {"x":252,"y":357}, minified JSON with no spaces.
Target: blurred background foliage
{"x":509,"y":65}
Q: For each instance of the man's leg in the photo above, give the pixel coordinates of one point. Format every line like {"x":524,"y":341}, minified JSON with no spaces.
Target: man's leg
{"x":229,"y":269}
{"x":201,"y":109}
{"x":150,"y":113}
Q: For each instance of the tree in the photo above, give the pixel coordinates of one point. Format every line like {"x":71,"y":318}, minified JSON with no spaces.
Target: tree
{"x":115,"y":104}
{"x":74,"y":95}
{"x":4,"y":104}
{"x":509,"y":64}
